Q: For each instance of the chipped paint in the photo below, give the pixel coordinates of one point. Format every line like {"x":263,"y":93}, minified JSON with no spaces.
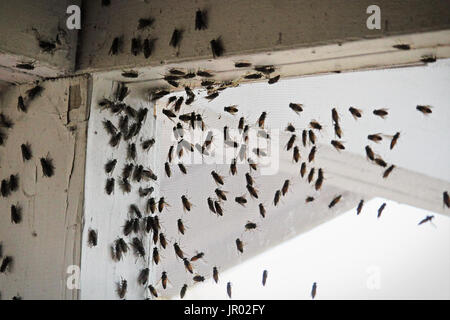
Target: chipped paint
{"x":48,"y":239}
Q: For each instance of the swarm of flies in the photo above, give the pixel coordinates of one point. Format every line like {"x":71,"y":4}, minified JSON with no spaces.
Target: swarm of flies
{"x":123,"y":127}
{"x":123,"y":122}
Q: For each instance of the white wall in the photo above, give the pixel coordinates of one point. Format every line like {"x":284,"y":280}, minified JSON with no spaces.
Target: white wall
{"x":205,"y":232}
{"x":419,"y":178}
{"x":351,"y":257}
{"x":107,"y":214}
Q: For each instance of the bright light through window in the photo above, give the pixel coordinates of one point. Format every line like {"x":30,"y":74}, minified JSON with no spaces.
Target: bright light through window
{"x":350,"y":257}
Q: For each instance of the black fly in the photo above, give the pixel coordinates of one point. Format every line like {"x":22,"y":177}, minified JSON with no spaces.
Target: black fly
{"x":239,"y":245}
{"x":276,"y":198}
{"x":138,"y":247}
{"x":274,"y":79}
{"x":143,"y":276}
{"x":217,"y":47}
{"x":360,"y":206}
{"x":388,"y":171}
{"x":265,"y":69}
{"x":217,"y":178}
{"x":380,"y":210}
{"x":426,"y":219}
{"x":334,"y":201}
{"x":48,"y":169}
{"x":264,"y":277}
{"x":6,"y":264}
{"x":34,"y":92}
{"x":130,"y":74}
{"x":92,"y":238}
{"x":211,"y":205}
{"x":356,"y":113}
{"x":176,"y":38}
{"x":21,"y":104}
{"x":25,"y":66}
{"x":200,"y":20}
{"x":296,"y":107}
{"x":136,"y":46}
{"x":183,"y":291}
{"x":148,"y":47}
{"x":5,"y":122}
{"x":241,"y":200}
{"x":115,"y":46}
{"x":446,"y":199}
{"x":16,"y":214}
{"x":262,"y":210}
{"x":122,"y":288}
{"x":145,"y":23}
{"x":253,"y":76}
{"x":109,"y":187}
{"x":242,"y":64}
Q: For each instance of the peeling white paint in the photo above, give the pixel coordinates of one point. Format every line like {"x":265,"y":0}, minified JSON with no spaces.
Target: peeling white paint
{"x":48,"y":239}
